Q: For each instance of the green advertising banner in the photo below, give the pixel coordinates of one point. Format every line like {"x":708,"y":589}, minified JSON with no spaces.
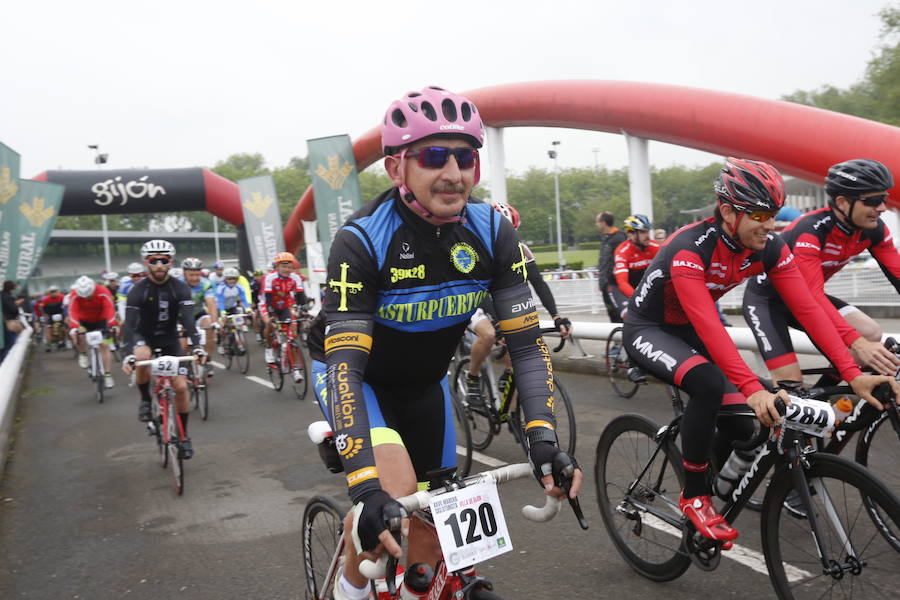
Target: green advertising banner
{"x":335,"y":184}
{"x":9,"y":173}
{"x":262,"y":220}
{"x":25,"y":225}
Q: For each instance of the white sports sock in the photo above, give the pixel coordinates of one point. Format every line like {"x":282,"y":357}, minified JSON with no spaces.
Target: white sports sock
{"x":350,"y":591}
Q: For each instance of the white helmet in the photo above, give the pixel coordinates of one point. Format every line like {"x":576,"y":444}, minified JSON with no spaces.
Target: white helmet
{"x":161,"y":247}
{"x":111,"y":276}
{"x":135,"y":268}
{"x":176,"y":272}
{"x":84,"y":286}
{"x":231,"y":272}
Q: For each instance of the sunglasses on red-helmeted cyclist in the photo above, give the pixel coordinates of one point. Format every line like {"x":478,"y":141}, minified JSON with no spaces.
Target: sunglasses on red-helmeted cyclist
{"x":760,"y":216}
{"x":874,"y":200}
{"x":155,"y":261}
{"x":435,"y":157}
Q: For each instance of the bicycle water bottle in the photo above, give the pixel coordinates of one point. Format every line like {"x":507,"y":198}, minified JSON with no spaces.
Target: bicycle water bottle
{"x":416,"y":581}
{"x":732,"y":471}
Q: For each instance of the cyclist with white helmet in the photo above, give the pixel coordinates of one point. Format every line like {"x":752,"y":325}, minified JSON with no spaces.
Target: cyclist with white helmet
{"x":135,"y":274}
{"x":206,"y":314}
{"x":92,"y":309}
{"x":153,"y":308}
{"x":231,"y":297}
{"x":216,"y":276}
{"x":405,"y":274}
{"x":482,"y":321}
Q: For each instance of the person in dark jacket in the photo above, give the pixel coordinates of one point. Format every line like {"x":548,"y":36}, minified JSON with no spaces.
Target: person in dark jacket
{"x":611,"y":238}
{"x":10,"y":311}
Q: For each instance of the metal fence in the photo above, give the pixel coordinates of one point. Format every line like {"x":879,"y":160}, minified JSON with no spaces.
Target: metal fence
{"x":577,"y":291}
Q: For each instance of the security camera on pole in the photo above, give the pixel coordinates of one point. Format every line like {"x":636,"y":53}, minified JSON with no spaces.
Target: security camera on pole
{"x":553,"y":154}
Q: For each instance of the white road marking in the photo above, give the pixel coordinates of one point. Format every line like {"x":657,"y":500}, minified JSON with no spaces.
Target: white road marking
{"x":482,"y":458}
{"x":217,"y":364}
{"x":747,"y":557}
{"x":260,"y":381}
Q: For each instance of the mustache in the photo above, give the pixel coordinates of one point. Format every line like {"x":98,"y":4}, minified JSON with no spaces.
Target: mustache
{"x":450,"y":188}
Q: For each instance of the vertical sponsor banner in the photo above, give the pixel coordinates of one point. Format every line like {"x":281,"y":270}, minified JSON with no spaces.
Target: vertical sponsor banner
{"x":9,"y":173}
{"x":335,"y":185}
{"x":315,"y":260}
{"x":27,"y":221}
{"x":262,"y":220}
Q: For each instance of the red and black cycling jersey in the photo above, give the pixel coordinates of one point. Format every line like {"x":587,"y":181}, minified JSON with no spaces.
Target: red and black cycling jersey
{"x":630,"y":262}
{"x":698,"y":265}
{"x":278,"y":292}
{"x":51,"y":304}
{"x":822,"y":245}
{"x":99,"y":307}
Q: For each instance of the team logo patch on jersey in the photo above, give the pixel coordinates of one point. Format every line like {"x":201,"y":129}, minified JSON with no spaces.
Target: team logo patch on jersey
{"x":405,"y":252}
{"x":463,"y":257}
{"x":343,"y":286}
{"x":347,"y":446}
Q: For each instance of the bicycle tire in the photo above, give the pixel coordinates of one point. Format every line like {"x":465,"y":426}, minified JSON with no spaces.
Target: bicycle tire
{"x":174,"y":449}
{"x":322,"y":527}
{"x":481,"y":423}
{"x":565,"y":427}
{"x":99,"y":383}
{"x":463,"y":439}
{"x":97,"y":374}
{"x":297,"y":362}
{"x":840,"y":487}
{"x":651,"y":547}
{"x":274,"y":371}
{"x":876,"y":447}
{"x":241,"y":352}
{"x":616,"y":371}
{"x":481,"y":593}
{"x":203,"y":401}
{"x":228,"y":350}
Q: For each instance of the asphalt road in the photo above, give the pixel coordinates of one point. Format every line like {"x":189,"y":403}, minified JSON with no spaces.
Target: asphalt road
{"x":86,"y":511}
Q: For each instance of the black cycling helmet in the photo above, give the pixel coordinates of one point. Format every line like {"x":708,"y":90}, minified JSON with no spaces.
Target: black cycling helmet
{"x":857,"y":177}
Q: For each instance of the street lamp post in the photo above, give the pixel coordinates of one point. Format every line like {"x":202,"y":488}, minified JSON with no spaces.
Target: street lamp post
{"x":101,"y":160}
{"x":559,"y":253}
{"x":596,"y":165}
{"x":549,"y":229}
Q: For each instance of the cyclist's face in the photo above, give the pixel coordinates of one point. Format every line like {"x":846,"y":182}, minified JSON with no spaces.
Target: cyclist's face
{"x":443,"y":191}
{"x":285,"y":268}
{"x":864,"y":217}
{"x":640,"y":237}
{"x":751,"y":234}
{"x":192,"y":277}
{"x":231,"y":281}
{"x":159,"y":271}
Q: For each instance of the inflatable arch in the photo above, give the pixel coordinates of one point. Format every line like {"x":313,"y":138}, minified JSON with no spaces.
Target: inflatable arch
{"x":799,"y":140}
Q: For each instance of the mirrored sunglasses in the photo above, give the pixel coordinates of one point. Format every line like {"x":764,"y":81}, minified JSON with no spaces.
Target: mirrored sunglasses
{"x":873,"y":200}
{"x":435,"y":157}
{"x":760,"y":216}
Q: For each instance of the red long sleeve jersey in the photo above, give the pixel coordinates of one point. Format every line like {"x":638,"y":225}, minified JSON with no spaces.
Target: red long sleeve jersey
{"x":630,"y":262}
{"x":99,"y":307}
{"x":822,"y":246}
{"x":698,"y":265}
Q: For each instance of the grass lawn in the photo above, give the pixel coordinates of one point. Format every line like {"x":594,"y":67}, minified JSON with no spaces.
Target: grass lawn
{"x":588,"y":256}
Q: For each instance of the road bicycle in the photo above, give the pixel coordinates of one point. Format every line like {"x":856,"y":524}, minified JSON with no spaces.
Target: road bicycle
{"x":198,"y":380}
{"x":166,"y":425}
{"x":841,"y":546}
{"x":288,"y":359}
{"x":481,"y":522}
{"x":233,"y":345}
{"x":57,"y":332}
{"x":485,"y":419}
{"x":96,"y":371}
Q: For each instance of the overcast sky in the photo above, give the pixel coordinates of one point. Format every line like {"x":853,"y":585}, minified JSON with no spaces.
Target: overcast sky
{"x":187,"y":83}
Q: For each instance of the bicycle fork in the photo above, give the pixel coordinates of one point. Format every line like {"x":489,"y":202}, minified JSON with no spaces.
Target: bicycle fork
{"x":798,"y":465}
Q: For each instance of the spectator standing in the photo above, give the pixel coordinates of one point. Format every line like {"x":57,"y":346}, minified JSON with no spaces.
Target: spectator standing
{"x":10,"y":311}
{"x":610,"y":238}
{"x":659,"y":236}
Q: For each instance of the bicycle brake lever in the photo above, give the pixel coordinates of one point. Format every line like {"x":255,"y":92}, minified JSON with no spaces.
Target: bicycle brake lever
{"x":563,"y":471}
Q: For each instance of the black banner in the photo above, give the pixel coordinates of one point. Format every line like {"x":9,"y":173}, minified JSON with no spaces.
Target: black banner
{"x":130,"y":191}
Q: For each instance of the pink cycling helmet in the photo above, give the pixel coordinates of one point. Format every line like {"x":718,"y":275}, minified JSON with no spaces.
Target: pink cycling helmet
{"x":433,"y":111}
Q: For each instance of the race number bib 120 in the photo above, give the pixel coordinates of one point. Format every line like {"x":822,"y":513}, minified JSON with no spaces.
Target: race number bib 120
{"x":164,"y":366}
{"x":470,"y":525}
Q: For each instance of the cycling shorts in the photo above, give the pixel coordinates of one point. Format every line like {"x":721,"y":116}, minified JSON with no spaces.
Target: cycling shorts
{"x":167,"y":346}
{"x":769,"y":319}
{"x":280,"y":314}
{"x":416,"y":417}
{"x":616,"y":300}
{"x":101,"y":325}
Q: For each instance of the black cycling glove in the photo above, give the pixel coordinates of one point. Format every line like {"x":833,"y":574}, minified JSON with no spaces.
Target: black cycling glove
{"x":372,"y":514}
{"x":559,"y":322}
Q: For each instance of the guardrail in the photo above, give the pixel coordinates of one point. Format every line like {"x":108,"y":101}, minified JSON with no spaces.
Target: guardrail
{"x":577,"y":291}
{"x":9,"y":378}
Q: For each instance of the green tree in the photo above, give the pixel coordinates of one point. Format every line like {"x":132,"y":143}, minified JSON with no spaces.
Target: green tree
{"x":877,"y":95}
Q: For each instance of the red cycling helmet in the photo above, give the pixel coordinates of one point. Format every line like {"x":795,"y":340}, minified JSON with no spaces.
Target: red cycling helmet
{"x":508,"y":211}
{"x":750,"y":185}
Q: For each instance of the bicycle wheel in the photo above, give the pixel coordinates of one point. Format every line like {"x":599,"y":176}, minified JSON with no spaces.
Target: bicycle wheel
{"x":649,"y":545}
{"x":323,"y":525}
{"x":481,"y":593}
{"x":97,"y":374}
{"x":463,"y":438}
{"x":173,"y":450}
{"x":274,"y":371}
{"x":617,"y":365}
{"x":162,"y":440}
{"x":241,"y":352}
{"x":565,"y":418}
{"x":298,"y":365}
{"x":481,"y":423}
{"x":228,"y":349}
{"x":203,"y":401}
{"x":852,"y":540}
{"x":878,"y":448}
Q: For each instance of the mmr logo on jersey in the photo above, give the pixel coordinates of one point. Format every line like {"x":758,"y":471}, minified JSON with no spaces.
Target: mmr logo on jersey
{"x":646,"y":348}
